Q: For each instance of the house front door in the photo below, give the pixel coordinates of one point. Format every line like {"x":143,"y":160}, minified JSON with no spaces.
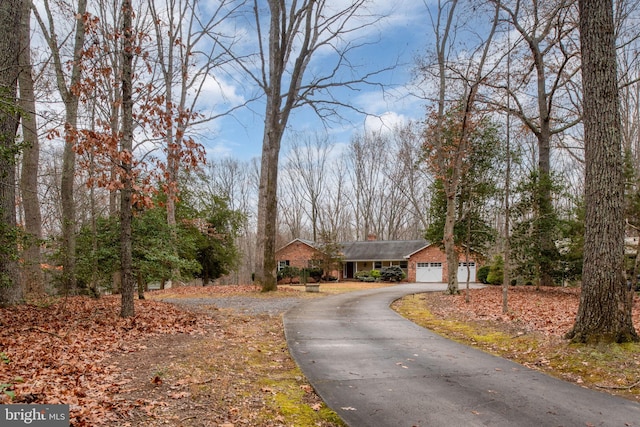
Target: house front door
{"x":348,"y":270}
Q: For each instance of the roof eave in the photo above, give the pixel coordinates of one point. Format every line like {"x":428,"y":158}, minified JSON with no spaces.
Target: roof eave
{"x":297,"y":240}
{"x":418,"y":250}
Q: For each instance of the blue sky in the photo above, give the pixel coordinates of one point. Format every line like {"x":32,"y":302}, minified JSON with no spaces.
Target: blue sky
{"x":398,"y":38}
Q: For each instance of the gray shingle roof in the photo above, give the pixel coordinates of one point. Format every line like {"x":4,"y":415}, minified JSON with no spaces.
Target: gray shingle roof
{"x":307,"y":242}
{"x":381,"y":250}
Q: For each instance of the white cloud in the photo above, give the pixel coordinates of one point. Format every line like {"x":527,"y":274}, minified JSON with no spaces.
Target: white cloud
{"x":219,"y":150}
{"x":216,"y":92}
{"x":401,"y":99}
{"x":384,"y":122}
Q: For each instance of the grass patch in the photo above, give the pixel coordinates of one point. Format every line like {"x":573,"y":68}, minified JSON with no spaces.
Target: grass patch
{"x":614,"y":368}
{"x":296,"y":403}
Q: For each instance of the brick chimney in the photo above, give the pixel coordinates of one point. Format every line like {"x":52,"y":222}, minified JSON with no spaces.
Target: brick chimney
{"x":371,"y":237}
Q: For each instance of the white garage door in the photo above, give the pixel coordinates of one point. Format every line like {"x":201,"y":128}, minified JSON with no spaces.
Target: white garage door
{"x":429,"y":272}
{"x":462,"y":272}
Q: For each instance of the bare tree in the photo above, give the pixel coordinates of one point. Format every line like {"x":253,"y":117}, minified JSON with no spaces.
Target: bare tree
{"x":367,"y":160}
{"x":233,"y":180}
{"x":604,"y":313}
{"x":187,"y":60}
{"x":372,"y":186}
{"x":410,"y":177}
{"x":337,"y":219}
{"x":405,"y":193}
{"x":543,"y":95}
{"x":297,"y":32}
{"x":67,"y":83}
{"x":292,"y":218}
{"x":447,"y":144}
{"x":10,"y":25}
{"x":33,"y":278}
{"x":50,"y":165}
{"x":106,"y":99}
{"x":307,"y":166}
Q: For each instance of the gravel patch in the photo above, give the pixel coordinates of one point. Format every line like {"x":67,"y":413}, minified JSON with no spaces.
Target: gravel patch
{"x":241,"y":304}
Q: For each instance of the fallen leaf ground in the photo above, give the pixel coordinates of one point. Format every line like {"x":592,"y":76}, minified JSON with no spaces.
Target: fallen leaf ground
{"x":198,"y":365}
{"x":192,"y":365}
{"x":59,"y":350}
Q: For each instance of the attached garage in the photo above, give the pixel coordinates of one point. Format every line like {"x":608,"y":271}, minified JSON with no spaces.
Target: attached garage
{"x":429,"y":265}
{"x":462,"y":271}
{"x":429,"y":272}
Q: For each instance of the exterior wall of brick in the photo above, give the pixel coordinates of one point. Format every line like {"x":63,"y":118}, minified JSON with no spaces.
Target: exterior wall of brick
{"x":297,"y":253}
{"x":429,"y":254}
{"x":432,"y":253}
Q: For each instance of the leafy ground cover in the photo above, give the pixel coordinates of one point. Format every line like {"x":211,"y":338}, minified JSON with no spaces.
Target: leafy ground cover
{"x":192,"y":363}
{"x":172,"y":365}
{"x":531,"y":333}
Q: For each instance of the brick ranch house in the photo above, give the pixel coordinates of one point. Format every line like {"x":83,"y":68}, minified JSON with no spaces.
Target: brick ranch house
{"x":421,"y":261}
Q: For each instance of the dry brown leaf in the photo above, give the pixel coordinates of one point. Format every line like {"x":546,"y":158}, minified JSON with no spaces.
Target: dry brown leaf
{"x":53,"y":352}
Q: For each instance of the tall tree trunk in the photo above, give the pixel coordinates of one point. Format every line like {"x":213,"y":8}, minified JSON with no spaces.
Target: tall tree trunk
{"x":449,"y":187}
{"x":449,"y":245}
{"x":10,"y":286}
{"x":296,"y":31}
{"x":71,"y":101}
{"x":115,"y":128}
{"x":33,"y":277}
{"x":173,"y":163}
{"x":604,"y":313}
{"x":274,"y":122}
{"x":545,"y":222}
{"x":173,"y":152}
{"x":506,"y":279}
{"x":68,"y":212}
{"x":268,"y":205}
{"x":127,"y":308}
{"x":68,"y":88}
{"x":544,"y":205}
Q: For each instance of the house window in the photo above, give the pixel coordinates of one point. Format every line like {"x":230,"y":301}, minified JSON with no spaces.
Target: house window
{"x":314,"y":263}
{"x":404,"y":264}
{"x":282,"y":264}
{"x":377,"y":265}
{"x":422,"y":264}
{"x":436,"y":264}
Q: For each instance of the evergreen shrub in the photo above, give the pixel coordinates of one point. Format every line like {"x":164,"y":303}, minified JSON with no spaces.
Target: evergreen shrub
{"x":392,"y":274}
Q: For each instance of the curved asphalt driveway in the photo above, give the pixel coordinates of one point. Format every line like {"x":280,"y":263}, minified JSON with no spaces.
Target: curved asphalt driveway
{"x":374,"y":368}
